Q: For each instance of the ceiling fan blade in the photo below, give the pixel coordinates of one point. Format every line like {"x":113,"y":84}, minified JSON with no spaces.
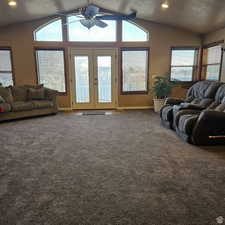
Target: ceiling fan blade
{"x":87,"y":23}
{"x":117,"y":17}
{"x":100,"y":23}
{"x":91,"y":11}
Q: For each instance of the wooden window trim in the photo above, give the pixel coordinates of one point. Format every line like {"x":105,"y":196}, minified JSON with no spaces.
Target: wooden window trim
{"x":145,"y":92}
{"x":194,"y":67}
{"x":210,"y":45}
{"x":12,"y":63}
{"x":65,"y":66}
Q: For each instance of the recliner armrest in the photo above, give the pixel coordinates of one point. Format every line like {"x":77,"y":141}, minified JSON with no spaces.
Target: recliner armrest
{"x":173,"y":101}
{"x":191,"y":106}
{"x":210,"y":124}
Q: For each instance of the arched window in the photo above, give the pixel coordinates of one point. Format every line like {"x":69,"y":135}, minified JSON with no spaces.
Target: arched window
{"x":50,"y":32}
{"x":77,"y":32}
{"x":131,"y":32}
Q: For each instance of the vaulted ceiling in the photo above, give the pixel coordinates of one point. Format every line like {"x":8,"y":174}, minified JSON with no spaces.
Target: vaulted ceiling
{"x":200,"y":16}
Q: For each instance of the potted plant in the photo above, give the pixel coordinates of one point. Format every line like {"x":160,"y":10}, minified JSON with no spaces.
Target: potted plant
{"x":161,"y":90}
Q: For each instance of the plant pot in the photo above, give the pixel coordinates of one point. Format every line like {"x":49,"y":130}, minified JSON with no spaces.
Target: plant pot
{"x":158,"y":104}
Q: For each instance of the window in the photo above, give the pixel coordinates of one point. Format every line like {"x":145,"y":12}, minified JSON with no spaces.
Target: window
{"x":135,"y":70}
{"x":51,"y":69}
{"x":50,"y":32}
{"x":212,"y":59}
{"x":131,"y":32}
{"x":77,"y":32}
{"x":183,"y":64}
{"x":6,"y":74}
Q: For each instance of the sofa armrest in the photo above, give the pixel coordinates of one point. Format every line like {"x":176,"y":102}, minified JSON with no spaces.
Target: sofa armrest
{"x":51,"y":95}
{"x":173,"y":101}
{"x":210,"y":128}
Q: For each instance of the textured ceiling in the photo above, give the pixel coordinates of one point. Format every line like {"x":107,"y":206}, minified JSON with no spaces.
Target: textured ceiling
{"x":201,"y":16}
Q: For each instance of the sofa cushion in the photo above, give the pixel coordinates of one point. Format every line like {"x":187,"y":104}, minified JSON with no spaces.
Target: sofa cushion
{"x":187,"y":122}
{"x":36,"y":93}
{"x":22,"y":106}
{"x":2,"y":100}
{"x":19,"y":93}
{"x":6,"y":94}
{"x":5,"y":107}
{"x":42,"y":104}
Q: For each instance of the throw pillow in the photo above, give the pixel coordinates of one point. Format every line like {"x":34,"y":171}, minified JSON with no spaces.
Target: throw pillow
{"x":36,"y":94}
{"x":6,"y":94}
{"x":2,"y":100}
{"x":19,"y":93}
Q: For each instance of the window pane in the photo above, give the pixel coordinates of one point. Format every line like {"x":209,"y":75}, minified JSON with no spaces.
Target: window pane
{"x":6,"y":79}
{"x":214,"y":54}
{"x":181,"y":73}
{"x":51,"y":69}
{"x":131,"y":32}
{"x":183,"y":57}
{"x":77,"y":32}
{"x":5,"y":60}
{"x":82,"y":79}
{"x":135,"y":69}
{"x":212,"y":72}
{"x":50,"y":32}
{"x":104,"y":79}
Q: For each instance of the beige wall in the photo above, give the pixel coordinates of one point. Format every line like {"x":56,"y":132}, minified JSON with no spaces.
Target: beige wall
{"x":162,"y":38}
{"x":216,"y":36}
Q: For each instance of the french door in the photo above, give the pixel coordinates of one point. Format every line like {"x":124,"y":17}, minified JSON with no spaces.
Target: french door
{"x":94,"y":78}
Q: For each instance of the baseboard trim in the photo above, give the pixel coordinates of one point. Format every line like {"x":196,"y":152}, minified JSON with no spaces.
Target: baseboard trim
{"x":135,"y":107}
{"x":119,"y":108}
{"x":65,"y":109}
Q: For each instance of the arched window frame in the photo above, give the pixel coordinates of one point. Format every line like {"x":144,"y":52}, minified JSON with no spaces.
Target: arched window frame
{"x":140,"y":27}
{"x":65,"y":31}
{"x":46,"y":24}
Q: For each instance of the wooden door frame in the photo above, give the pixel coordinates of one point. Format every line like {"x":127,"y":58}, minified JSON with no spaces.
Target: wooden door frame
{"x":72,"y":81}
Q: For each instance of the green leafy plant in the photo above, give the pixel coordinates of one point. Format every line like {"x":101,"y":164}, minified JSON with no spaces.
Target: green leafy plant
{"x":162,"y":87}
{"x":0,"y":84}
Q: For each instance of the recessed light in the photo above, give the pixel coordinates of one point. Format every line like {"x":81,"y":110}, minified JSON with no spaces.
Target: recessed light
{"x":12,"y":3}
{"x":165,"y":5}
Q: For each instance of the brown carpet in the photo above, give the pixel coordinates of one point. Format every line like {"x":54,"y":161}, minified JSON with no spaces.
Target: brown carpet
{"x":122,"y":169}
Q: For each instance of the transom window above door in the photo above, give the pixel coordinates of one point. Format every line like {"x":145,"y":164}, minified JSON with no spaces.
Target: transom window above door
{"x":76,"y":32}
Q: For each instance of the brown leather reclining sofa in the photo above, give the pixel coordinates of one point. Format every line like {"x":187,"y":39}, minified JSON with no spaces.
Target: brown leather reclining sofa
{"x":200,"y":118}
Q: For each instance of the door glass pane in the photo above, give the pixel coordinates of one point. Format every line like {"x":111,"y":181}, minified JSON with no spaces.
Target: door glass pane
{"x":104,"y":79}
{"x":82,"y":79}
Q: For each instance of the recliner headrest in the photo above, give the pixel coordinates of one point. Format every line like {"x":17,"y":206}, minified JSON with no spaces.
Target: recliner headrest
{"x":204,"y":89}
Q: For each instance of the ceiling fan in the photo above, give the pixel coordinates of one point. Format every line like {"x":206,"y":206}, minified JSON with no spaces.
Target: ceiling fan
{"x":90,"y":16}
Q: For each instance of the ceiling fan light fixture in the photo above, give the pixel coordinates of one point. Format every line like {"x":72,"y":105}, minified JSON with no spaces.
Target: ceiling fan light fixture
{"x":12,"y":3}
{"x":165,"y":5}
